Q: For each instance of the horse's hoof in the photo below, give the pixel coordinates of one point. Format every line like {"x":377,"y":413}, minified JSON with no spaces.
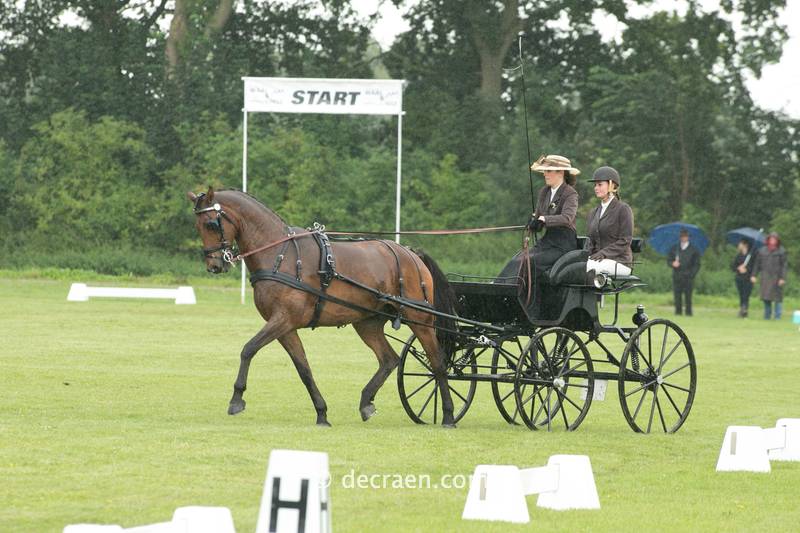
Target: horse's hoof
{"x":449,"y":425}
{"x":367,"y":411}
{"x":323,"y":424}
{"x":236,"y":407}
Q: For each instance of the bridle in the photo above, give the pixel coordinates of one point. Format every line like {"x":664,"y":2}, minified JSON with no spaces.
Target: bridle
{"x":229,"y":252}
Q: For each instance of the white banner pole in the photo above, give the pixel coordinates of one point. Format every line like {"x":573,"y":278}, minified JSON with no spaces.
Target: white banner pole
{"x":244,"y":186}
{"x":399,"y":176}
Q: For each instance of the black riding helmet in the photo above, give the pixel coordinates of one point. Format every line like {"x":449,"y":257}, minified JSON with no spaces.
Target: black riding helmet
{"x":605,"y":174}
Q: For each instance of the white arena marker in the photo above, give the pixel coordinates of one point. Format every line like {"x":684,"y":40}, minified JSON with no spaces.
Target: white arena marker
{"x":296,"y":493}
{"x":80,"y":292}
{"x":790,"y":430}
{"x":575,"y":488}
{"x":197,"y":519}
{"x":92,"y":528}
{"x":495,"y":493}
{"x":743,"y":450}
{"x":161,"y":527}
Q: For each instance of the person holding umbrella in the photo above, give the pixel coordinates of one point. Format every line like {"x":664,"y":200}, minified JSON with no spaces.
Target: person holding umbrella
{"x":684,"y":259}
{"x":771,"y":263}
{"x":743,"y":265}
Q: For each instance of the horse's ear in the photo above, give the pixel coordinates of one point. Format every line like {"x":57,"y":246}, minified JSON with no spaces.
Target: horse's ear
{"x":210,"y":194}
{"x":191,"y":196}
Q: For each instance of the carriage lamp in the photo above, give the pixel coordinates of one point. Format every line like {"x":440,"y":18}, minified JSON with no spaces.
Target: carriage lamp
{"x":600,"y":280}
{"x":639,"y":317}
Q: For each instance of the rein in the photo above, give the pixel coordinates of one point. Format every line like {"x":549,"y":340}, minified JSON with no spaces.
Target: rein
{"x":321,"y":229}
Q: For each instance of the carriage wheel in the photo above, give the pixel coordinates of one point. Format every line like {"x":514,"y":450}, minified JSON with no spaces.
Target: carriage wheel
{"x":554,"y":382}
{"x":505,"y":360}
{"x":658,"y":377}
{"x":417,"y":387}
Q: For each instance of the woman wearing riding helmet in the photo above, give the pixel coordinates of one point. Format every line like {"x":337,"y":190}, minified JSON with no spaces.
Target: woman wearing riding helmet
{"x":609,"y":227}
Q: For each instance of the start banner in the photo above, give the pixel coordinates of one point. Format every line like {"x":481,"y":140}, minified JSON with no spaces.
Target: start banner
{"x":323,"y":95}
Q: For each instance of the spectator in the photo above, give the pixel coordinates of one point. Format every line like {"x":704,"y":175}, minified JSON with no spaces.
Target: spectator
{"x":743,"y":265}
{"x":684,"y":259}
{"x":771,"y":264}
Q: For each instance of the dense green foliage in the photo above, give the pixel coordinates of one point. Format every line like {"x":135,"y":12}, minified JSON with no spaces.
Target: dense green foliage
{"x":110,"y":112}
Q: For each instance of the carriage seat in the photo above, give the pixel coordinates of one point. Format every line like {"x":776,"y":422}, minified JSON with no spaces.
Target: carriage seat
{"x":570,"y":268}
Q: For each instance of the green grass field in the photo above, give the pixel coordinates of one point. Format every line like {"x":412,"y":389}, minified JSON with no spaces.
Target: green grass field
{"x":114,"y":411}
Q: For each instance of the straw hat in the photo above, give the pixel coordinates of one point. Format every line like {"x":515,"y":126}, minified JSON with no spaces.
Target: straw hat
{"x":554,"y":162}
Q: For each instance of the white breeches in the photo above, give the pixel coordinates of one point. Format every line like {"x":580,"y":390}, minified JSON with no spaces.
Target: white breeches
{"x":608,"y":266}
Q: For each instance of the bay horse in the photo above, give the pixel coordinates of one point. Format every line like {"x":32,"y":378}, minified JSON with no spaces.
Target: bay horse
{"x":291,"y":259}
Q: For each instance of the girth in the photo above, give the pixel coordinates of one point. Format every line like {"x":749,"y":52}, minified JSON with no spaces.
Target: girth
{"x":327,"y":271}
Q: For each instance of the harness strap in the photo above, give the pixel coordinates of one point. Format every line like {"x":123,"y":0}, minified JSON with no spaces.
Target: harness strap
{"x":285,"y":279}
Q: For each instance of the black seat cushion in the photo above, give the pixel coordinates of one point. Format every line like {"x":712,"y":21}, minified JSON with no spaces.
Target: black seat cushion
{"x":567,"y":260}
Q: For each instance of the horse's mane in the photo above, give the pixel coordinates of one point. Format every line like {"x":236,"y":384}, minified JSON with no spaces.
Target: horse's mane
{"x":254,"y":199}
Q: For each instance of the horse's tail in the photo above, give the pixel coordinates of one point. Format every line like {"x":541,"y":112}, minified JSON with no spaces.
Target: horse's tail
{"x":444,"y":301}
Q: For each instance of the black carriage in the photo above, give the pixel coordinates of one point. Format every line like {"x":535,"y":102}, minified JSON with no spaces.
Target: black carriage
{"x":543,"y":361}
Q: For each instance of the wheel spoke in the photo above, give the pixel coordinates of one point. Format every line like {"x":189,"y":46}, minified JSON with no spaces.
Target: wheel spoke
{"x":541,"y":400}
{"x":652,"y":411}
{"x":435,"y":403}
{"x":642,"y":386}
{"x":684,"y":389}
{"x":454,"y":391}
{"x":639,"y":405}
{"x":422,"y":361}
{"x":672,"y":351}
{"x":565,"y":397}
{"x":663,"y":346}
{"x":564,"y":411}
{"x":676,"y":370}
{"x":420,"y":388}
{"x":674,"y":405}
{"x":660,"y":414}
{"x":427,"y":401}
{"x":571,"y":368}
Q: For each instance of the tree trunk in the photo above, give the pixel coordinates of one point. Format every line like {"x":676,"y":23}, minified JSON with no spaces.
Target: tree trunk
{"x":176,"y":37}
{"x":179,"y":29}
{"x":492,"y":42}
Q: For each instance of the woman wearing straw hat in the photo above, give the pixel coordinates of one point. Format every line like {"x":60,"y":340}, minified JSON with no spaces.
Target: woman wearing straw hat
{"x":609,"y":227}
{"x":556,"y":207}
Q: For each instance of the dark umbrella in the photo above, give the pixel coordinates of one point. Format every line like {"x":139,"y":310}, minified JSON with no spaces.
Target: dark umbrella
{"x":756,"y":237}
{"x":665,"y":236}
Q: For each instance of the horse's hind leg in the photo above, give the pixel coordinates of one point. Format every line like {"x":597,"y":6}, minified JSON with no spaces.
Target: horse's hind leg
{"x":291,"y":343}
{"x":268,"y":333}
{"x":371,"y":332}
{"x":427,"y":337}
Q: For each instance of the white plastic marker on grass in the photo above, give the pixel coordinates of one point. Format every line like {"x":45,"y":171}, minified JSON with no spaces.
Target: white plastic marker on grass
{"x":80,"y":292}
{"x":296,"y":496}
{"x":497,"y":492}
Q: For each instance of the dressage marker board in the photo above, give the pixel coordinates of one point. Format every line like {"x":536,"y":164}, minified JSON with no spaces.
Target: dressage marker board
{"x":80,"y":292}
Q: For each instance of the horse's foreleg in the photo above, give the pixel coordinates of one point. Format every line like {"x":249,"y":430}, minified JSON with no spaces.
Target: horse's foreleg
{"x":427,"y":337}
{"x":291,"y":343}
{"x":267,"y":334}
{"x":371,"y":332}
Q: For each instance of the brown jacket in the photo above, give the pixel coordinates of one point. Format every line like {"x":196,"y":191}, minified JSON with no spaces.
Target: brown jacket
{"x":610,"y":236}
{"x":561,"y":211}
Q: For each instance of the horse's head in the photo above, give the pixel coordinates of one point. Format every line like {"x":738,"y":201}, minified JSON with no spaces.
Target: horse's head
{"x":216,"y":229}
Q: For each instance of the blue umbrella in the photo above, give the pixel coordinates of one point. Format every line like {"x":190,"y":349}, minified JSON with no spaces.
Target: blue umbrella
{"x":665,"y":236}
{"x":755,"y":236}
